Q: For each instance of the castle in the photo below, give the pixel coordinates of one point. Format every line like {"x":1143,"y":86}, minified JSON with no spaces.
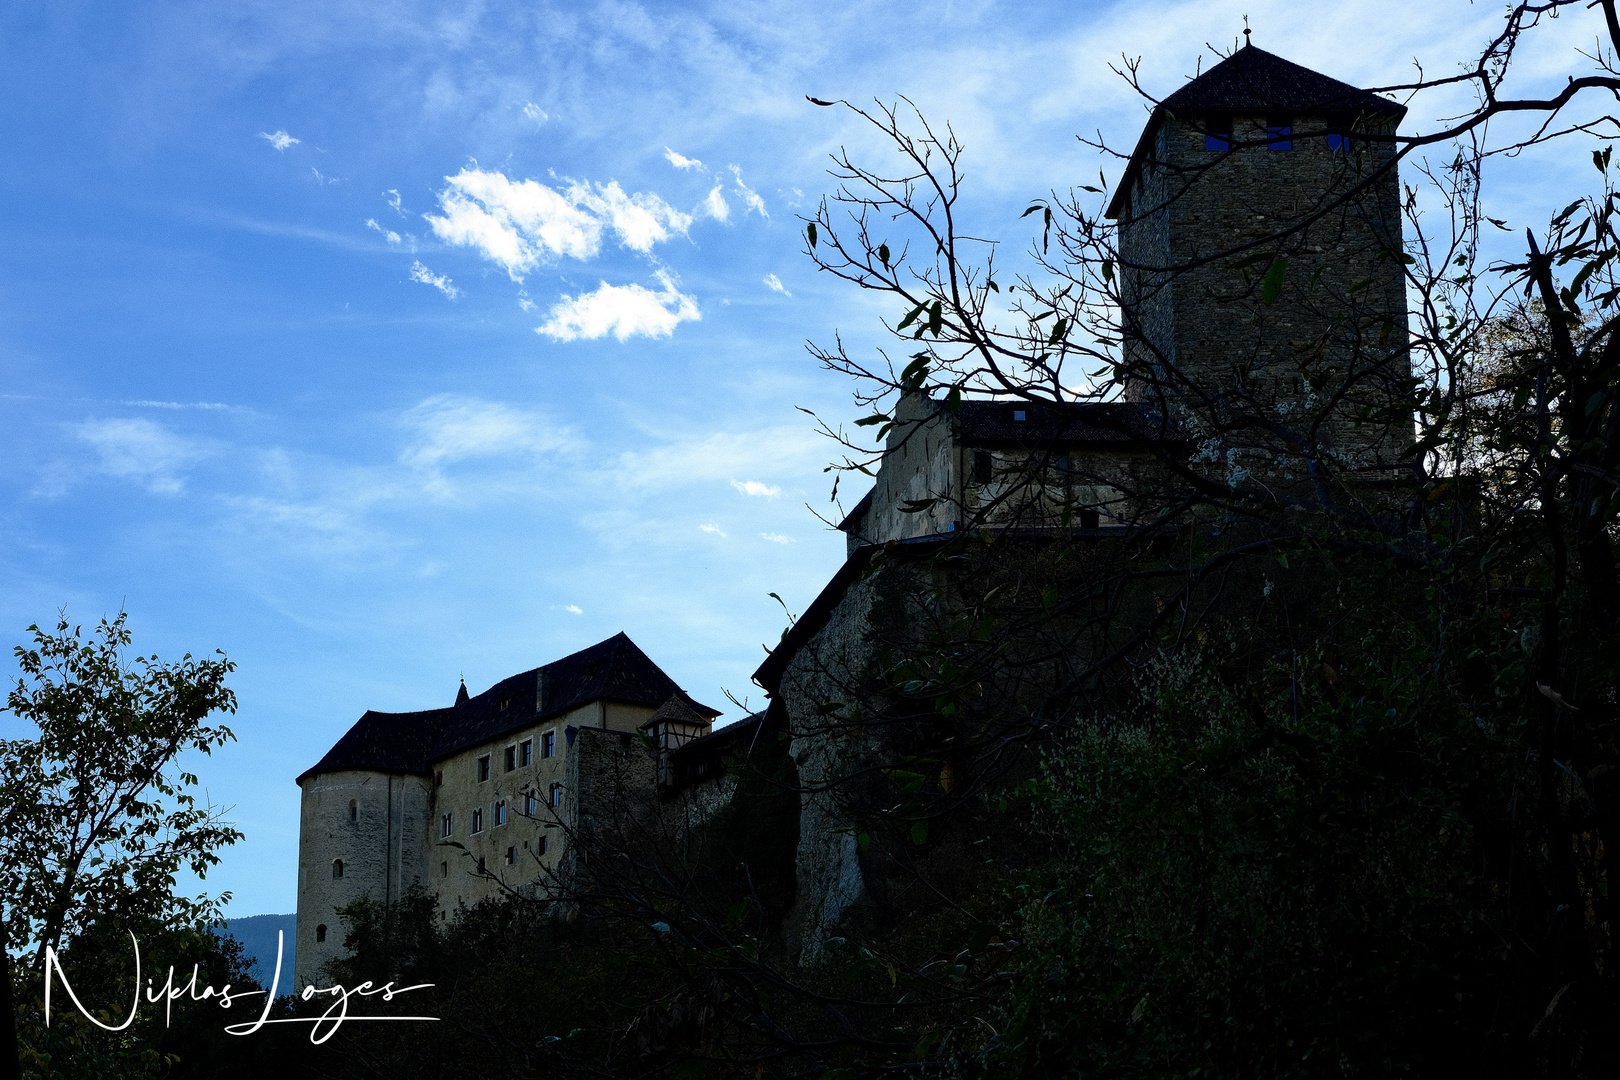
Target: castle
{"x":1226,"y":311}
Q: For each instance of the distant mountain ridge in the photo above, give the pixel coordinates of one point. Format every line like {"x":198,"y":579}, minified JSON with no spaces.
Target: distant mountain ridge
{"x":257,"y":933}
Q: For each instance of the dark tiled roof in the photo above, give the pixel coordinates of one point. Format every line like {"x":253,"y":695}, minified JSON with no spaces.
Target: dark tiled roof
{"x":385,"y":742}
{"x":1025,"y":423}
{"x":679,"y":709}
{"x":852,"y":520}
{"x":611,"y":670}
{"x":1252,"y":79}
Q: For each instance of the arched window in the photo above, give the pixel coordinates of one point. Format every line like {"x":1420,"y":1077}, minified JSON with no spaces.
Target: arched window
{"x":337,"y":868}
{"x":320,"y":933}
{"x":354,"y":810}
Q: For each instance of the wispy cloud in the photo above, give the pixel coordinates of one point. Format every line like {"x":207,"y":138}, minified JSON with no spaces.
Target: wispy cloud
{"x":625,"y":311}
{"x":681,"y":161}
{"x":438,"y":281}
{"x":520,"y":224}
{"x":140,"y":450}
{"x":449,"y":428}
{"x":280,"y":139}
{"x":751,"y":198}
{"x":757,"y":489}
{"x":392,"y":236}
{"x":715,"y":205}
{"x":575,"y":609}
{"x":774,"y":283}
{"x":777,"y":538}
{"x":535,"y":112}
{"x":143,"y":404}
{"x":715,"y":529}
{"x":392,"y":195}
{"x":322,"y":178}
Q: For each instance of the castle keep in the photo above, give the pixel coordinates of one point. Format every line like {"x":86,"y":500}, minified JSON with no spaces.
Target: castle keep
{"x":1230,"y":307}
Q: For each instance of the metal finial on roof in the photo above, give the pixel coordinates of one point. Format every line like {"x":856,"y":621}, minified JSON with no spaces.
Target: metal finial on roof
{"x":1246,"y":31}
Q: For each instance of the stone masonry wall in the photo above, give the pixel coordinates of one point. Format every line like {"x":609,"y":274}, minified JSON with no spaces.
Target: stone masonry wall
{"x":1342,"y":307}
{"x":380,"y":845}
{"x":533,"y":844}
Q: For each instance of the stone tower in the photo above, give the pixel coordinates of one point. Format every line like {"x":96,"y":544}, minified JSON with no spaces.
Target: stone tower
{"x":1260,"y":252}
{"x":362,"y":826}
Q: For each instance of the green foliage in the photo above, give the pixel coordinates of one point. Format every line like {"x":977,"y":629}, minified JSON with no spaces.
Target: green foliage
{"x":1285,"y":869}
{"x":95,"y":818}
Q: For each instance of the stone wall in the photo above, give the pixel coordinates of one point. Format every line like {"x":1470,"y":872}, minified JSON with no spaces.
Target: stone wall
{"x":525,"y":849}
{"x":1341,"y":314}
{"x":375,"y":824}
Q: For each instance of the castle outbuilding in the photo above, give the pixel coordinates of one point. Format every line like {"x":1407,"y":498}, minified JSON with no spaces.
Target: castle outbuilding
{"x":476,"y":798}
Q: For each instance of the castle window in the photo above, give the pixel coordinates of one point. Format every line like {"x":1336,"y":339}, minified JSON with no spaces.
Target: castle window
{"x":526,"y":752}
{"x":500,"y":812}
{"x":354,"y":810}
{"x":556,"y":794}
{"x":337,"y":868}
{"x":444,"y":869}
{"x":320,"y":933}
{"x":478,"y":820}
{"x":445,"y":824}
{"x":1018,"y":415}
{"x":481,"y":864}
{"x":528,"y":805}
{"x":983,"y":467}
{"x":548,"y":744}
{"x":542,"y":845}
{"x":1338,"y":141}
{"x":511,"y":855}
{"x":1218,"y":133}
{"x":505,"y":703}
{"x":1279,"y":134}
{"x":511,"y":758}
{"x":483,"y":768}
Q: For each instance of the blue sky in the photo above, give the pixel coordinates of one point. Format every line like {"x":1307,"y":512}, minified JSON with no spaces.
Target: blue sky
{"x":384,"y":344}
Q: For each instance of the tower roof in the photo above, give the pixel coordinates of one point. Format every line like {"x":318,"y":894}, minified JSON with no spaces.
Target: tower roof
{"x":1255,"y":81}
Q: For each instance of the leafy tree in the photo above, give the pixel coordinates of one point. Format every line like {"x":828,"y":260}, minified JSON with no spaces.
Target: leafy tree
{"x":96,"y":816}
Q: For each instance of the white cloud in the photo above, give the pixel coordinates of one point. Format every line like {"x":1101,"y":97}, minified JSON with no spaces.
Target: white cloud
{"x":280,"y":140}
{"x":774,"y":283}
{"x":322,"y":178}
{"x":715,"y":205}
{"x":535,"y":112}
{"x":450,"y":429}
{"x":393,"y":200}
{"x":621,"y":310}
{"x":750,"y":197}
{"x":757,"y":489}
{"x":715,"y":529}
{"x":517,"y":225}
{"x":140,"y":450}
{"x":681,"y":161}
{"x":575,"y":608}
{"x":390,"y":234}
{"x":438,"y":281}
{"x":778,"y":538}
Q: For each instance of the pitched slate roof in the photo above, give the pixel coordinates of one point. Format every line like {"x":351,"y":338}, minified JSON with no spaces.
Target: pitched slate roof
{"x":1073,"y":423}
{"x":611,"y":670}
{"x":385,"y":742}
{"x":1252,"y":80}
{"x":679,"y":708}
